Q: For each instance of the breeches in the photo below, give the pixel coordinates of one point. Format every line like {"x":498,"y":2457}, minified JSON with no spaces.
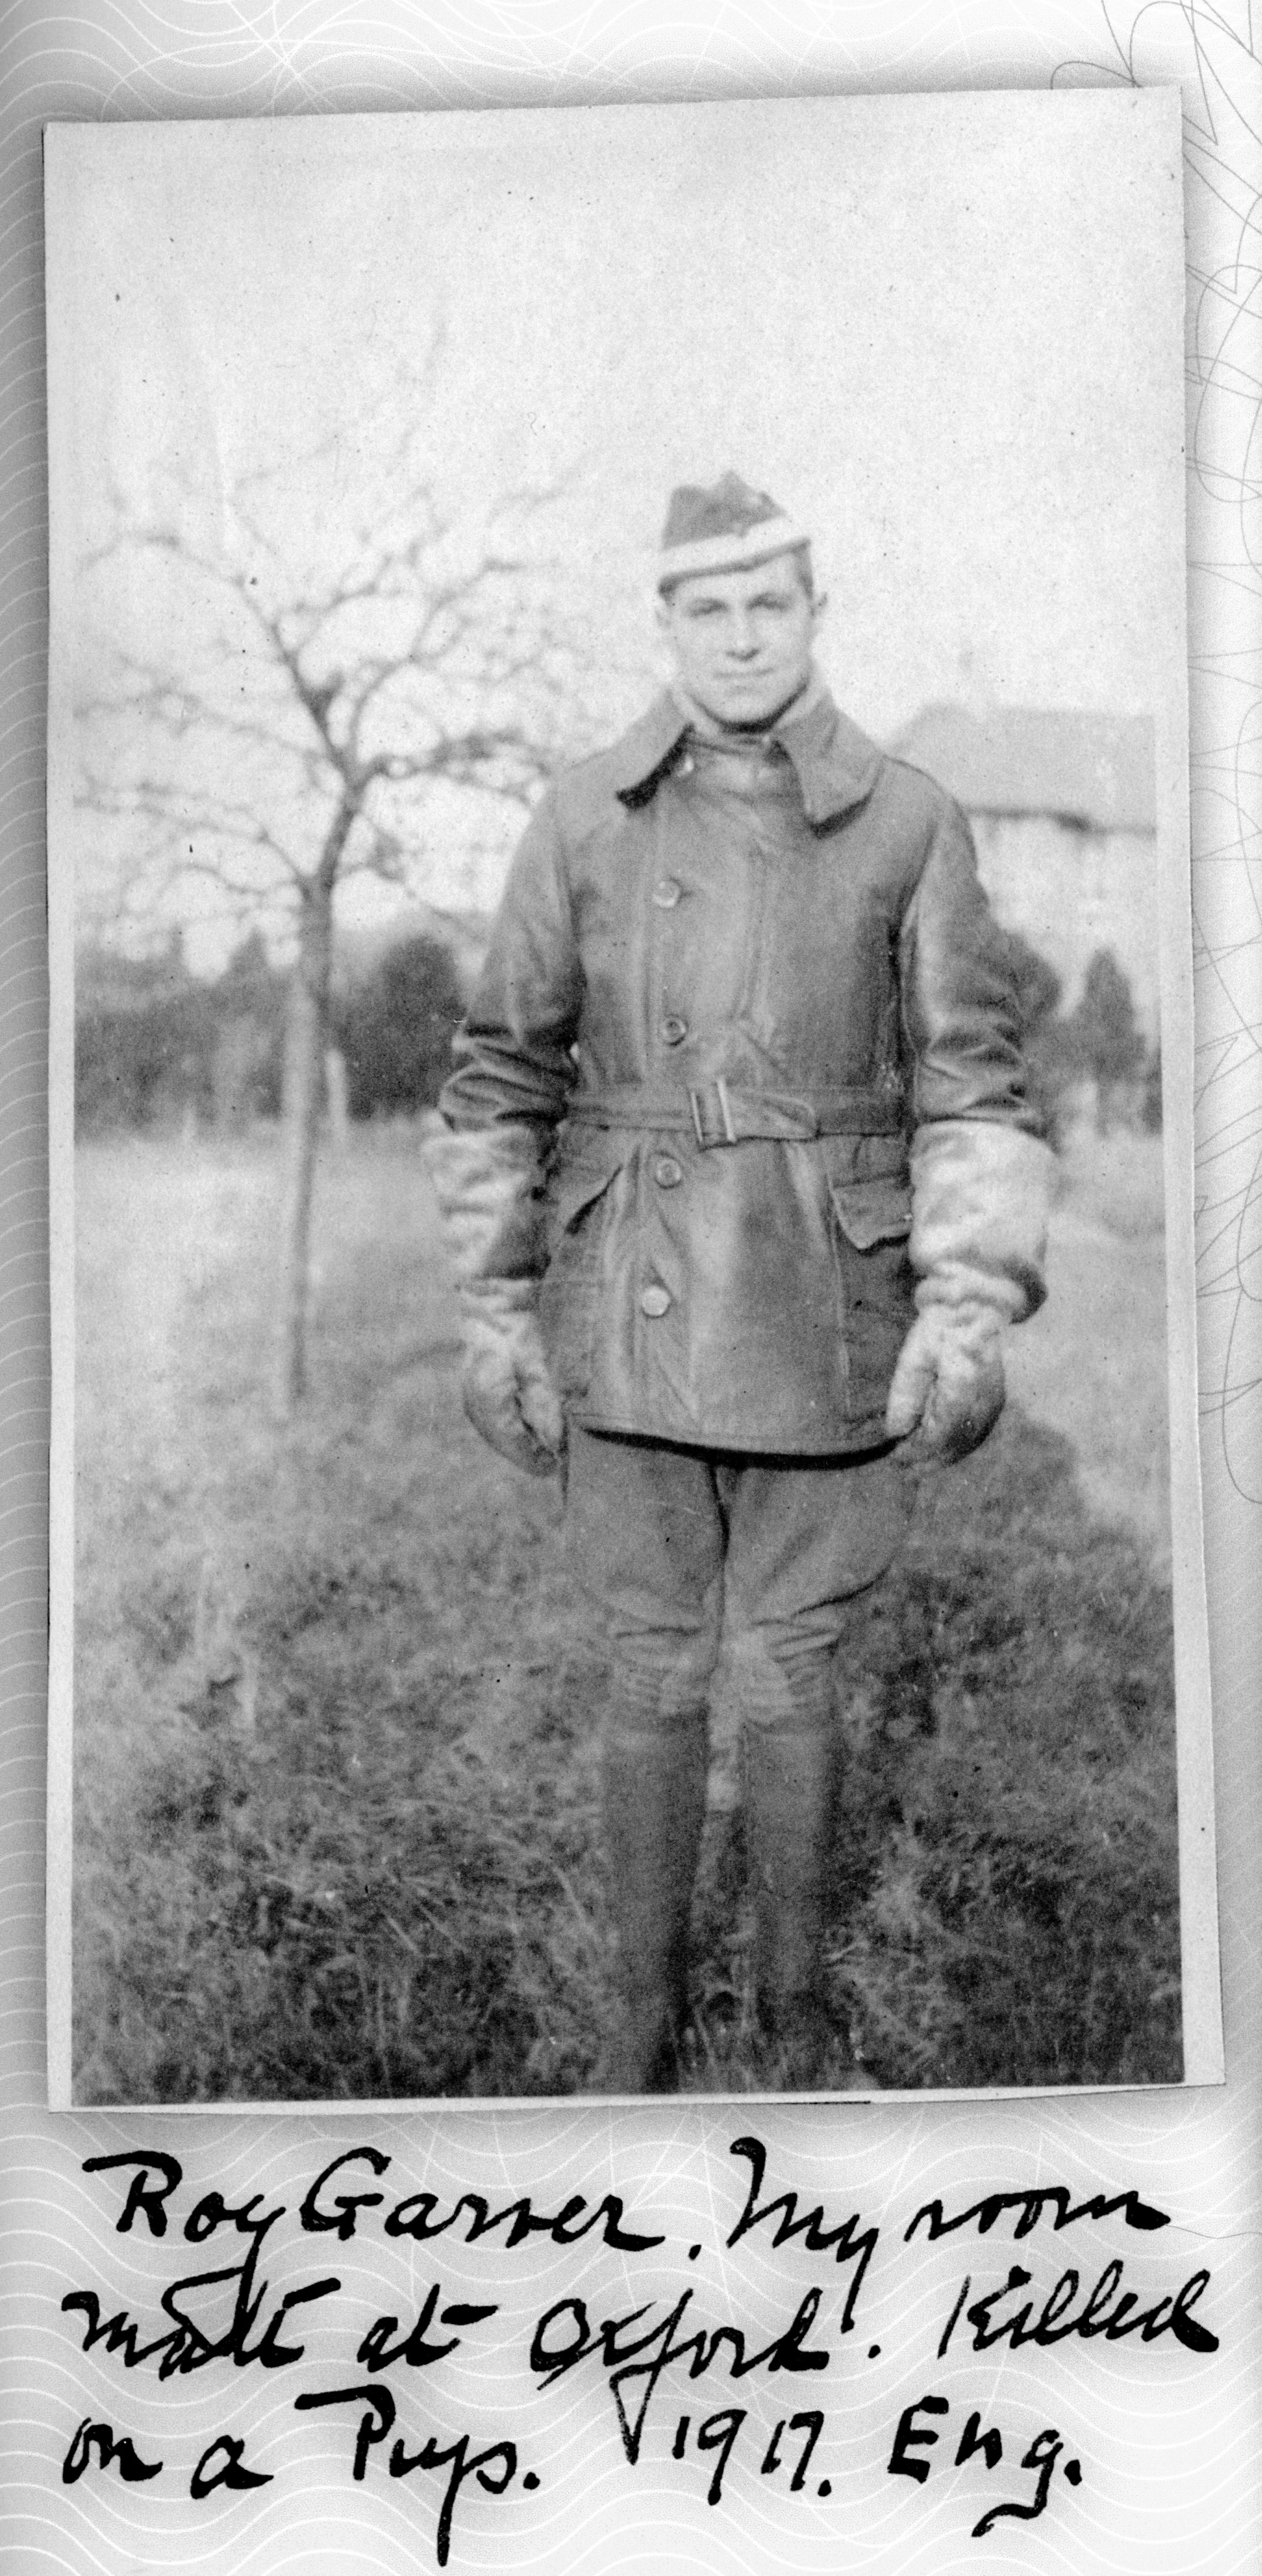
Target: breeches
{"x":685,"y":1550}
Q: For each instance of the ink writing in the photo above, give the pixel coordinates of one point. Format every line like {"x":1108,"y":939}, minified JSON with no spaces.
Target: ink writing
{"x":748,"y":2352}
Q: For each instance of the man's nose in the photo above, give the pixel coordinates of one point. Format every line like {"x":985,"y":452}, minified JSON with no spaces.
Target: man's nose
{"x":742,"y":637}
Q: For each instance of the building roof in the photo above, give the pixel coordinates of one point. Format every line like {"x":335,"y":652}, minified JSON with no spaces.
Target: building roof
{"x":1096,"y":770}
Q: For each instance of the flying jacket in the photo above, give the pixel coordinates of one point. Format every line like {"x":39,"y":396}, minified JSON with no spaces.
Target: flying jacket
{"x":734,"y":1000}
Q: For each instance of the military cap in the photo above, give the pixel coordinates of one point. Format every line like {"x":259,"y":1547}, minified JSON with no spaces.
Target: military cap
{"x":723,"y":527}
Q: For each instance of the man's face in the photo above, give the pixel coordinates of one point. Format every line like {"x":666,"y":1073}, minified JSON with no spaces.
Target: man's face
{"x":742,"y":640}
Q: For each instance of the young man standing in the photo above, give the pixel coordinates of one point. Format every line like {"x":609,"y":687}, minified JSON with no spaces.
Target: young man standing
{"x":742,"y":1189}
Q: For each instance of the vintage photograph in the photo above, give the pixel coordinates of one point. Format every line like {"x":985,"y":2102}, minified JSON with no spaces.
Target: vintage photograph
{"x":620,"y":922}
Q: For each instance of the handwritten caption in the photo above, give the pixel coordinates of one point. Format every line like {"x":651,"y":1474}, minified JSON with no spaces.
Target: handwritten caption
{"x":649,"y":2357}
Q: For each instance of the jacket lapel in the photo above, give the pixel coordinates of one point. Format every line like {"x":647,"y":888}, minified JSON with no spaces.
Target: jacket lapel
{"x":836,"y":763}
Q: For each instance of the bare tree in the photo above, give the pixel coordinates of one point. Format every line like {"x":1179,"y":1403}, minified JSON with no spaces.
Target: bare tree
{"x":325,"y":658}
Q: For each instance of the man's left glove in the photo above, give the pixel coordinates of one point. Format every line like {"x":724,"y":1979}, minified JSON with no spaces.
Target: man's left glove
{"x":948,"y":1383}
{"x":489,"y":1186}
{"x":980,"y":1195}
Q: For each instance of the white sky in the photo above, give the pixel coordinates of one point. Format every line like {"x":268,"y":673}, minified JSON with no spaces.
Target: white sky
{"x":944,"y":331}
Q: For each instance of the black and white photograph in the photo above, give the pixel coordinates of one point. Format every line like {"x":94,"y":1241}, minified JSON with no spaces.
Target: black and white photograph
{"x":619,"y":903}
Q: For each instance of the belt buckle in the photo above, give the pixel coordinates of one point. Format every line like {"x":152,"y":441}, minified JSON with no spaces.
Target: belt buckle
{"x":697,"y":1100}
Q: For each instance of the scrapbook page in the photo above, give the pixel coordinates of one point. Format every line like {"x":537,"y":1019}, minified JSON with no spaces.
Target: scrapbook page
{"x":619,"y":905}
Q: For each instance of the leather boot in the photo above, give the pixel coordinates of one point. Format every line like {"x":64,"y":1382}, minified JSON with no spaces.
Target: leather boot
{"x":790,"y":1771}
{"x":656,"y":1757}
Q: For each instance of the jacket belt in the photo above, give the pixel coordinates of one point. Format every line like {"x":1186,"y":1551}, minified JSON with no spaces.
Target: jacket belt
{"x":718,"y":1113}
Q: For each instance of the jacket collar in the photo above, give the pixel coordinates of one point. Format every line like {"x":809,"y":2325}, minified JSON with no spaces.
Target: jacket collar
{"x":835,"y":762}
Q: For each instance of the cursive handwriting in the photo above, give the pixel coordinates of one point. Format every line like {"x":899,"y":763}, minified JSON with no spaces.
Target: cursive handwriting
{"x":563,"y":2337}
{"x":227,"y":2311}
{"x":1031,"y":2205}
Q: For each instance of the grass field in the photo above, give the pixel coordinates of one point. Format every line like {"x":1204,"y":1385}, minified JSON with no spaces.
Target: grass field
{"x":336,"y":1718}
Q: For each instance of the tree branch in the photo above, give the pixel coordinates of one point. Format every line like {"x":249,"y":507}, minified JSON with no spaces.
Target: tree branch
{"x":401,"y":663}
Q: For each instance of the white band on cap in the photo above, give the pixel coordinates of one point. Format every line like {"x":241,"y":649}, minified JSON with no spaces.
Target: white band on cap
{"x":767,"y":537}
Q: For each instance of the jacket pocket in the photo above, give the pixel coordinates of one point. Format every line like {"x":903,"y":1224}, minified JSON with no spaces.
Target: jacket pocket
{"x":872,"y":1220}
{"x":569,"y":1299}
{"x":575,"y":1188}
{"x":870,"y":1212}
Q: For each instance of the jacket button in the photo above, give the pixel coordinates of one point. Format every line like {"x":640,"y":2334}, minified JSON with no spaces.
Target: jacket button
{"x":655,"y":1300}
{"x":666,"y":893}
{"x":667,"y":1172}
{"x":673,"y":1029}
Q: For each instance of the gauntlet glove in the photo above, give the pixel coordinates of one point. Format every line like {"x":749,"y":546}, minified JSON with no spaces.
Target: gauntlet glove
{"x":980,"y":1197}
{"x":489,"y":1188}
{"x":948,"y":1385}
{"x":508,"y":1394}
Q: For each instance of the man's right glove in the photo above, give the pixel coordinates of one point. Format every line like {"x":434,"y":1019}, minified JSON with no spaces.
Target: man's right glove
{"x":508,"y":1394}
{"x":489,"y":1189}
